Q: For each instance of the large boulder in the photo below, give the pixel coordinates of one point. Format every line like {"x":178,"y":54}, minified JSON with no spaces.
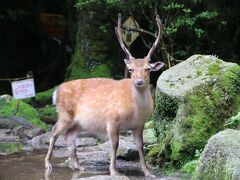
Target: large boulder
{"x":192,"y":102}
{"x":221,"y":157}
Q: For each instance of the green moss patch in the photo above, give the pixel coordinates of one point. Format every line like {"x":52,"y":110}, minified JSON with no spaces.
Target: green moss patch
{"x":98,"y":71}
{"x":214,"y":69}
{"x":10,"y":148}
{"x":48,"y":111}
{"x":23,"y":110}
{"x":44,"y":97}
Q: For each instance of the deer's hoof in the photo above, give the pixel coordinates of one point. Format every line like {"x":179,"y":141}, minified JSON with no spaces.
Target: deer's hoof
{"x":77,"y":168}
{"x":149,"y":174}
{"x":48,"y":166}
{"x":114,"y":172}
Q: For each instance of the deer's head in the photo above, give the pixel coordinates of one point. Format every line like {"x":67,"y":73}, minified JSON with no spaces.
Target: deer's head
{"x":140,"y":68}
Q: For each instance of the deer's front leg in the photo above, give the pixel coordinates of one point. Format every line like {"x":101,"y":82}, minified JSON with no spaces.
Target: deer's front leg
{"x":113,"y":134}
{"x":138,"y":138}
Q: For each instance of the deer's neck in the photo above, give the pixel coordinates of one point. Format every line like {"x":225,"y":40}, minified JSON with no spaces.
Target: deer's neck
{"x":143,"y":104}
{"x":142,"y":96}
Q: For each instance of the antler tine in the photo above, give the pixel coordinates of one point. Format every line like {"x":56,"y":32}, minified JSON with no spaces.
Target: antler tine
{"x":119,"y":36}
{"x":157,"y":40}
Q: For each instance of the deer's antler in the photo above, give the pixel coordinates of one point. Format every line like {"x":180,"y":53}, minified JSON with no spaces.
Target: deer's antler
{"x":157,"y":40}
{"x":119,"y":36}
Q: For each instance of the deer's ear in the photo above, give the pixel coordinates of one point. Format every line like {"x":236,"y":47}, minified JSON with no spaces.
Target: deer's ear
{"x":156,"y":66}
{"x":127,"y":62}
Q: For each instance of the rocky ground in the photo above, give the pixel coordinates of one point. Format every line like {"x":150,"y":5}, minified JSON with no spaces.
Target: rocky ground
{"x":93,"y":152}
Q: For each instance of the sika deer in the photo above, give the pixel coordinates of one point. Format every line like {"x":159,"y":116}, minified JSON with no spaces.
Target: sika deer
{"x":106,"y":106}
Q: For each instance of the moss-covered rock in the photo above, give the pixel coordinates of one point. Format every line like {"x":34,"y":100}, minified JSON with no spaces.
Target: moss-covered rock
{"x":221,"y":157}
{"x":23,"y":110}
{"x":193,"y":101}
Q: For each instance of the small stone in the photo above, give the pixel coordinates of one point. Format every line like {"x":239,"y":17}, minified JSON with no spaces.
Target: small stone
{"x":149,"y":136}
{"x":102,"y":177}
{"x":33,"y":132}
{"x":127,"y":148}
{"x":87,"y":141}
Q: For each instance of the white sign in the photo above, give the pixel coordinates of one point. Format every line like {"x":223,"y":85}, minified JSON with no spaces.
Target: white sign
{"x":23,"y":89}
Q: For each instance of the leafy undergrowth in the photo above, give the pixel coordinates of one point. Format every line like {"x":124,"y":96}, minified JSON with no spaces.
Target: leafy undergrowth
{"x":190,"y":167}
{"x":233,"y":122}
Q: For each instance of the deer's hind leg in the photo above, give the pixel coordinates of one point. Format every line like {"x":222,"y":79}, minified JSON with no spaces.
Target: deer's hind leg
{"x":113,"y":133}
{"x":63,"y":124}
{"x":70,"y":138}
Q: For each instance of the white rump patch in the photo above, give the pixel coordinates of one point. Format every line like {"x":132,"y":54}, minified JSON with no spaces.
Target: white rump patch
{"x":54,"y":97}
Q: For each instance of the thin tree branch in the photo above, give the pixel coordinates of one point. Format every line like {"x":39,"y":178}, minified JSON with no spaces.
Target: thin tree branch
{"x":145,"y":43}
{"x":144,"y":13}
{"x":155,"y":8}
{"x":139,"y":30}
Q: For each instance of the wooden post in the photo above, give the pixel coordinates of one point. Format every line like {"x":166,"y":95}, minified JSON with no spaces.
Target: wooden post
{"x":16,"y":108}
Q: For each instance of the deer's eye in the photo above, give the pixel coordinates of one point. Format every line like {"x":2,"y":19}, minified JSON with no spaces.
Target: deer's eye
{"x":147,"y":69}
{"x":130,"y":70}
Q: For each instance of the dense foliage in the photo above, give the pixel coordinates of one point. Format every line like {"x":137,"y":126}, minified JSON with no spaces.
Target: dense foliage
{"x":189,"y":27}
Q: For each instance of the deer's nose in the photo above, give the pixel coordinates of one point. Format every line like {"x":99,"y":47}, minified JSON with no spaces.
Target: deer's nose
{"x":139,"y":82}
